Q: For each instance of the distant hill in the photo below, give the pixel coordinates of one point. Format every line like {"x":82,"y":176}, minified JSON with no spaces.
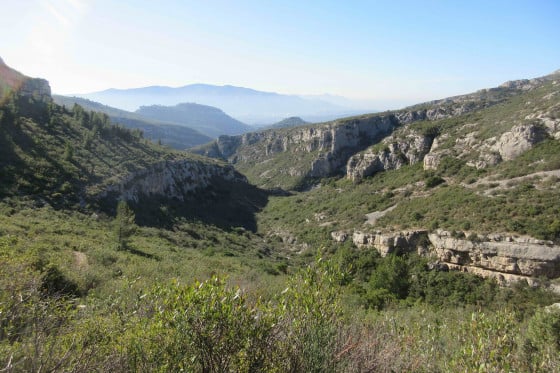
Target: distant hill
{"x":247,"y":105}
{"x":177,"y":136}
{"x":208,"y":120}
{"x":289,"y":122}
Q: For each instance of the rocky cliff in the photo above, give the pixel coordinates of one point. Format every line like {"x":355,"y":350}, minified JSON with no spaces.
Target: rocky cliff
{"x":471,"y":142}
{"x":329,"y":145}
{"x":39,"y":89}
{"x":502,"y":256}
{"x":337,"y":147}
{"x":397,"y":152}
{"x":170,"y":179}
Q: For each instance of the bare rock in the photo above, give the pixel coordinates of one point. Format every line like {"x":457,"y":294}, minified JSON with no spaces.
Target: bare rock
{"x":398,"y":152}
{"x":170,"y":179}
{"x":339,"y":236}
{"x":520,"y":139}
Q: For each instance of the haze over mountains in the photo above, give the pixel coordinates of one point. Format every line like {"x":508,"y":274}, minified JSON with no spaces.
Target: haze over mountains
{"x":206,"y":119}
{"x":244,"y":104}
{"x":174,"y":135}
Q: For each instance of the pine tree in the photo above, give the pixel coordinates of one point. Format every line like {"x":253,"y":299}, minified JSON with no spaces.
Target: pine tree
{"x":124,"y":225}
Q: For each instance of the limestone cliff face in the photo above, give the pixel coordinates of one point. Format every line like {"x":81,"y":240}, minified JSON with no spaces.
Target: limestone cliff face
{"x":332,"y":142}
{"x":397,"y":152}
{"x":521,"y":256}
{"x":506,"y":258}
{"x":491,"y":151}
{"x":530,"y":126}
{"x":336,"y":142}
{"x":171,"y":179}
{"x":335,"y":147}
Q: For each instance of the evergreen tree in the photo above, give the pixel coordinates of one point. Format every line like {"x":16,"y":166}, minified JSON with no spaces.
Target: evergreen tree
{"x":124,"y":225}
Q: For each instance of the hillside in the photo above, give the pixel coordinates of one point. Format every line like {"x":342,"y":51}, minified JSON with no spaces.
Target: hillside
{"x":208,"y":120}
{"x":289,"y":122}
{"x":176,"y":136}
{"x":434,"y":228}
{"x":476,"y":168}
{"x":245,"y":104}
{"x":292,"y":157}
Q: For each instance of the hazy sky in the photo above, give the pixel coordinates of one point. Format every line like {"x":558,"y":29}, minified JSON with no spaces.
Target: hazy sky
{"x":394,"y":52}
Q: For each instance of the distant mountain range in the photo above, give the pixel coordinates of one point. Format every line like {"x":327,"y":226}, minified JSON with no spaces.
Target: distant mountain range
{"x":247,"y":105}
{"x":174,"y":135}
{"x":208,"y":120}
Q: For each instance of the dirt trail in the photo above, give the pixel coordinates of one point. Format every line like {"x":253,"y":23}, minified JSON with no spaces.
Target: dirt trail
{"x":373,"y":216}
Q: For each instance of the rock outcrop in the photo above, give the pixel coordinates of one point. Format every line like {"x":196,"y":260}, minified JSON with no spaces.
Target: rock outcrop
{"x":171,"y":179}
{"x":388,"y":243}
{"x":412,"y":147}
{"x":396,"y":153}
{"x":508,"y":254}
{"x":506,"y":258}
{"x":39,"y":89}
{"x":520,"y":139}
{"x":334,"y":144}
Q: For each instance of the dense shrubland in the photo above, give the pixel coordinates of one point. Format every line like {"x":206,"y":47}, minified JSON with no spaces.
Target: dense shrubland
{"x":89,"y":289}
{"x":312,"y":325}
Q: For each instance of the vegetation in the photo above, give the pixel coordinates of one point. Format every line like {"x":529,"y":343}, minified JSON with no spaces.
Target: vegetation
{"x":173,"y":135}
{"x":207,"y":120}
{"x":236,"y":278}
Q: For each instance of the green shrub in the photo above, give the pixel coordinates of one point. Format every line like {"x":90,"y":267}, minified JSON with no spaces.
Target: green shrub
{"x":543,"y":338}
{"x":433,"y":181}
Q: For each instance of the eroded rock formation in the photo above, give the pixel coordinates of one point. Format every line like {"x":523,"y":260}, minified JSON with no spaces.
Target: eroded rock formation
{"x":171,"y":179}
{"x":504,"y":257}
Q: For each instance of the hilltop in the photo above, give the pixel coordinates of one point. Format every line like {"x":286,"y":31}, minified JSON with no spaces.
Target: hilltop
{"x":208,"y":120}
{"x":177,"y":136}
{"x":289,"y":122}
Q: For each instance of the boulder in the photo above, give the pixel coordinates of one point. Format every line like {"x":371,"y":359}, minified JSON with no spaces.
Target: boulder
{"x":520,"y":139}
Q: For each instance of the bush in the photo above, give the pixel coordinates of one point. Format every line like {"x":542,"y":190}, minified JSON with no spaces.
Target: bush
{"x":202,"y":327}
{"x":543,"y":339}
{"x":433,"y":181}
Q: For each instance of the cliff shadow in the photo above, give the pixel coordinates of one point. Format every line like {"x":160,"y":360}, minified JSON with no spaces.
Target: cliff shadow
{"x":224,"y":204}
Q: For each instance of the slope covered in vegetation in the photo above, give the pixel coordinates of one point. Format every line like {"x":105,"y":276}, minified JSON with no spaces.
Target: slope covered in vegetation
{"x":174,"y":135}
{"x":228,"y":277}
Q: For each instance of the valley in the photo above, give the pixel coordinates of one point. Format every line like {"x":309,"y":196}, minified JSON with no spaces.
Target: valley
{"x":420,"y":239}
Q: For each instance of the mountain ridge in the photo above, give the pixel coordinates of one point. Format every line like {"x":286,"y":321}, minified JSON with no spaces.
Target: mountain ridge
{"x":326,"y":146}
{"x":179,"y":137}
{"x":209,"y":120}
{"x":245,"y":104}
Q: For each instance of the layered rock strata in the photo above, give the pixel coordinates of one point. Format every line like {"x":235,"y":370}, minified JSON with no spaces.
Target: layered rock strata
{"x":171,"y":179}
{"x":506,"y":258}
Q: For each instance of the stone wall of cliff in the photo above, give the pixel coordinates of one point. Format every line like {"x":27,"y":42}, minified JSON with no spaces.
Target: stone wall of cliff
{"x":337,"y":145}
{"x":170,"y":179}
{"x":504,"y":257}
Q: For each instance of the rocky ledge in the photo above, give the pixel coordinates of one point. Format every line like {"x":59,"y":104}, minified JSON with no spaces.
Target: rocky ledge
{"x":171,"y":179}
{"x":504,"y":257}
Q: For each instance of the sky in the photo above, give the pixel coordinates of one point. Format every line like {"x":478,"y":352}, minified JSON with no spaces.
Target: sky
{"x":388,"y":53}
